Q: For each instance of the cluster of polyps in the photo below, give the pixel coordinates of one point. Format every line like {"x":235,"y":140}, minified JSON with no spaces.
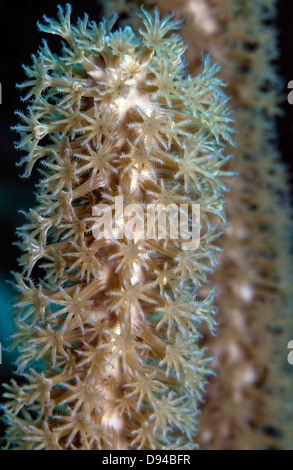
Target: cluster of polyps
{"x":108,"y":337}
{"x":248,"y":401}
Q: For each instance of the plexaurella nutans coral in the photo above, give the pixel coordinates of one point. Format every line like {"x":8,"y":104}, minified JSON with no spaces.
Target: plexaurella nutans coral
{"x":248,"y":401}
{"x":108,"y":338}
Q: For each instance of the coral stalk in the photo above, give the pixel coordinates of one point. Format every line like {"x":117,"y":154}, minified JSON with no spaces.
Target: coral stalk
{"x":108,"y":328}
{"x":248,"y":404}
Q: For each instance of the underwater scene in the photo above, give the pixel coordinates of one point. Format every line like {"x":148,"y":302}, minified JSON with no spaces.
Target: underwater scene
{"x":146,"y":280}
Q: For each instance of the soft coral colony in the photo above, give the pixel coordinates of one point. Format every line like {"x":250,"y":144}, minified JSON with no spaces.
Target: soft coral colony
{"x":108,"y":338}
{"x":248,"y":402}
